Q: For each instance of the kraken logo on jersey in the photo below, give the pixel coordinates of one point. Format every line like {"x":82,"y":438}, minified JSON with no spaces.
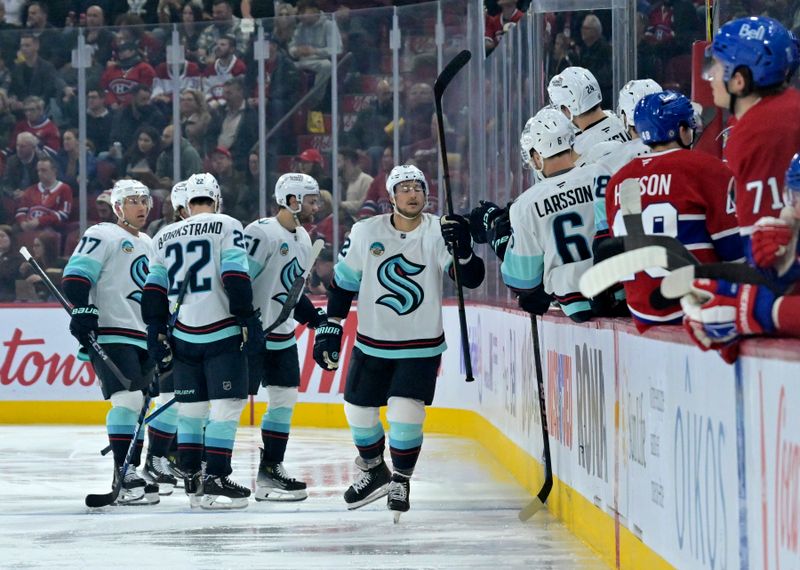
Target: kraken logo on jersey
{"x":139,"y":271}
{"x":394,"y":275}
{"x":289,"y":274}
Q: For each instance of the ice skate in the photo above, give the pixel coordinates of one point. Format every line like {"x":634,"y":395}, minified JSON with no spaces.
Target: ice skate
{"x":399,"y":490}
{"x":171,"y":464}
{"x":275,"y":484}
{"x":371,"y":485}
{"x":219,"y":492}
{"x":134,"y":489}
{"x":156,"y":471}
{"x":193,"y":486}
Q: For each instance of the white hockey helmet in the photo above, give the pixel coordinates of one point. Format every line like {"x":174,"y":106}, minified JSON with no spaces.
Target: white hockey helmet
{"x":526,"y":144}
{"x":576,"y":89}
{"x":125,"y":188}
{"x":203,"y":186}
{"x":178,"y":196}
{"x":632,"y":93}
{"x":295,"y":184}
{"x":551,"y":132}
{"x":404,"y":173}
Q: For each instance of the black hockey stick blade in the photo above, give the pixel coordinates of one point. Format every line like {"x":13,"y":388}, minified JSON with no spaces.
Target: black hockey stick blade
{"x":449,"y":72}
{"x":679,"y":282}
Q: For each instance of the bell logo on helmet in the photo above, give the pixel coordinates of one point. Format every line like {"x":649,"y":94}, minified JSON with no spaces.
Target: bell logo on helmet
{"x":747,"y":33}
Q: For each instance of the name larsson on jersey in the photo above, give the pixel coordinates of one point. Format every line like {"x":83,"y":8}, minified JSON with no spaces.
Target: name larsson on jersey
{"x":655,"y":185}
{"x":563,"y":200}
{"x":190,"y":230}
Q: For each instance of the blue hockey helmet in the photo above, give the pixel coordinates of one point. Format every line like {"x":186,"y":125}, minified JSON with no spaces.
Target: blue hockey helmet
{"x":791,"y":192}
{"x":659,"y":116}
{"x":761,"y":44}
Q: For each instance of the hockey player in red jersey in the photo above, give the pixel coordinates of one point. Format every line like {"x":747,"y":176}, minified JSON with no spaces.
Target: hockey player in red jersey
{"x":683,"y":195}
{"x":753,"y":61}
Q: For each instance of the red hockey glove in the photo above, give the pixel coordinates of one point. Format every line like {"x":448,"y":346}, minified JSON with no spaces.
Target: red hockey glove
{"x":769,"y":240}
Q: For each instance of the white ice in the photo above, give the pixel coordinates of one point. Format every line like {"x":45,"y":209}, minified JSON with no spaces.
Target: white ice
{"x":463,"y":512}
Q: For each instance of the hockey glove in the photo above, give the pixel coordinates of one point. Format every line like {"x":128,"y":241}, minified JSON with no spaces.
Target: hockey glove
{"x":327,"y":344}
{"x":769,"y":241}
{"x":481,"y":220}
{"x":455,"y":231}
{"x":320,"y":318}
{"x":83,"y":323}
{"x":158,"y":346}
{"x":499,"y":235}
{"x":253,"y":340}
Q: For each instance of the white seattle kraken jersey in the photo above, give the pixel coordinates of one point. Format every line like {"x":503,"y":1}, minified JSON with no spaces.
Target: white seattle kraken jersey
{"x":398,"y":277}
{"x":276,"y":257}
{"x":608,"y":166}
{"x":205,"y":245}
{"x":552,"y":225}
{"x":115,"y":262}
{"x":608,"y":129}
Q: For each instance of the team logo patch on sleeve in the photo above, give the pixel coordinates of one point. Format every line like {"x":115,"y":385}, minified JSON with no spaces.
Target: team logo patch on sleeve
{"x":127,"y":246}
{"x":377,"y":249}
{"x":406,"y":295}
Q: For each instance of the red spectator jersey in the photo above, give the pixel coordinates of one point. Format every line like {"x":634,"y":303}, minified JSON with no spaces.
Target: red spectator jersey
{"x":118,"y":82}
{"x":190,"y":79}
{"x":216,"y":75}
{"x":684,"y":195}
{"x":493,"y":29}
{"x":52,"y":206}
{"x":46,"y":131}
{"x":758,"y":150}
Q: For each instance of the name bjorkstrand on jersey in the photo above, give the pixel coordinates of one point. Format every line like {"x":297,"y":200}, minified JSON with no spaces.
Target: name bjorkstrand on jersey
{"x":191,"y":229}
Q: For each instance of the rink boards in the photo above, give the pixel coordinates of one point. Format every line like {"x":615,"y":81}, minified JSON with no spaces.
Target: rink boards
{"x":663,"y":455}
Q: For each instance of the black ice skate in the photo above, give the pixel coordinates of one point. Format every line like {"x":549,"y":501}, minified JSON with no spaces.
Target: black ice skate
{"x":275,"y":484}
{"x":219,"y":492}
{"x":171,"y":464}
{"x":134,"y":489}
{"x":193,"y":485}
{"x":371,"y":485}
{"x":399,"y":490}
{"x":156,"y":471}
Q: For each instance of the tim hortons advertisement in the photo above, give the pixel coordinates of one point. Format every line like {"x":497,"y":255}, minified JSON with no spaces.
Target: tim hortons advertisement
{"x":579,"y":381}
{"x":678,"y":433}
{"x":772,"y":399}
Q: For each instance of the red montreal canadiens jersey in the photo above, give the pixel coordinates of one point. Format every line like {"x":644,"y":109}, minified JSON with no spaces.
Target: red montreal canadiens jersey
{"x":684,"y":195}
{"x":118,"y":82}
{"x":758,"y":150}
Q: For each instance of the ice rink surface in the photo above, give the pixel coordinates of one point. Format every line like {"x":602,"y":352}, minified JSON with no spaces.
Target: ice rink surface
{"x":463,"y":512}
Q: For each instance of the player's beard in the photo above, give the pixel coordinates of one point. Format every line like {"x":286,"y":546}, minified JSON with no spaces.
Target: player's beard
{"x":410,"y":214}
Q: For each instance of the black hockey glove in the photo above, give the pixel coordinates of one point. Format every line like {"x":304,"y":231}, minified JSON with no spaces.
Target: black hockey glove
{"x":158,"y":346}
{"x":253,"y":339}
{"x":327,"y":344}
{"x":83,"y":323}
{"x":455,"y":231}
{"x":481,"y":220}
{"x":320,"y":318}
{"x":500,"y":234}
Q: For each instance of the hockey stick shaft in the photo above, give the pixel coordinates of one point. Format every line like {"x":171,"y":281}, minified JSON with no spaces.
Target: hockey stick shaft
{"x":296,"y":290}
{"x":439,"y":87}
{"x":147,"y":420}
{"x":93,"y":344}
{"x":538,"y":503}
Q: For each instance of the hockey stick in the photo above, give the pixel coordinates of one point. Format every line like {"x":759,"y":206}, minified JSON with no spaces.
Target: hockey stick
{"x":630,"y":204}
{"x":93,"y":344}
{"x":614,"y":269}
{"x":439,"y":86}
{"x":538,"y":503}
{"x":293,"y":296}
{"x":679,"y":282}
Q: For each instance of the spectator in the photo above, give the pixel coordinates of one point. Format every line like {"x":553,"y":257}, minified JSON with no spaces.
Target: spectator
{"x":310,"y":162}
{"x":47,"y":204}
{"x":561,"y":57}
{"x":169,"y":11}
{"x":190,"y":29}
{"x":417,"y":114}
{"x":97,"y":36}
{"x":68,"y":163}
{"x":237,"y":201}
{"x":139,"y":113}
{"x":51,"y":44}
{"x":222,"y":66}
{"x":107,"y":174}
{"x":190,"y":78}
{"x":322,"y":274}
{"x":191,"y":163}
{"x":596,"y":55}
{"x":45,"y":252}
{"x":7,"y":119}
{"x":121,"y":77}
{"x":167,"y":217}
{"x":10,"y":260}
{"x":235,"y":128}
{"x":98,"y":120}
{"x":142,"y":158}
{"x":369,"y":130}
{"x":21,"y":167}
{"x":377,"y":199}
{"x":195,"y":119}
{"x":8,"y":37}
{"x":131,"y":29}
{"x":225,"y":24}
{"x":104,"y":208}
{"x":38,"y":124}
{"x":499,"y":24}
{"x":33,"y":75}
{"x":311,"y":45}
{"x":354,"y":180}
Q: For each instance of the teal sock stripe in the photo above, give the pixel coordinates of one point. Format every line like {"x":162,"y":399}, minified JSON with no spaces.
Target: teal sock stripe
{"x":405,"y":436}
{"x":167,"y":421}
{"x":277,"y":419}
{"x":120,"y":421}
{"x":190,"y":430}
{"x":364,"y":437}
{"x":221,"y":434}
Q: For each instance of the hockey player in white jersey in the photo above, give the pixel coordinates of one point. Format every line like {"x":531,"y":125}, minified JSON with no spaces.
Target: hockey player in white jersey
{"x":552,"y":224}
{"x":576,"y":92}
{"x":395,"y":263}
{"x":216,"y":323}
{"x":103,"y":280}
{"x":278,"y":251}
